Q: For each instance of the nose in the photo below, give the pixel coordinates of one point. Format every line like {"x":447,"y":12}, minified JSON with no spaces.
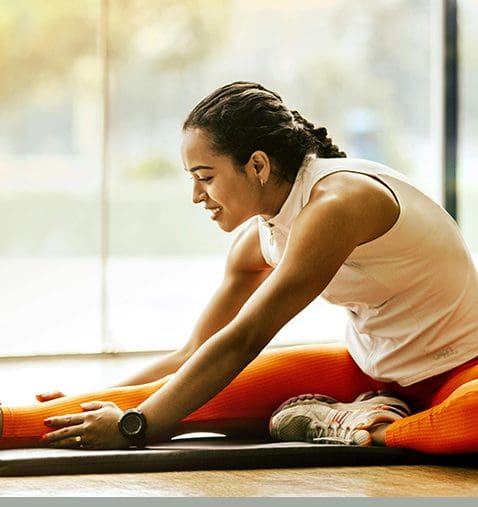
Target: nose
{"x":198,"y":193}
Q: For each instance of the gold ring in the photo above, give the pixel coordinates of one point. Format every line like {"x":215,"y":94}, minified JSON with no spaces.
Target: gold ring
{"x":78,"y":440}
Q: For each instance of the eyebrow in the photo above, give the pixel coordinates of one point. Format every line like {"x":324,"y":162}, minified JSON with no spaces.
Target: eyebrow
{"x":198,"y":168}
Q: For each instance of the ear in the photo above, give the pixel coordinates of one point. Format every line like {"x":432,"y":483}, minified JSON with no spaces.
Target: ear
{"x":259,"y":165}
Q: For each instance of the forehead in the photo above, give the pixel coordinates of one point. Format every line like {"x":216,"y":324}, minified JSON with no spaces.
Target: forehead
{"x":195,"y":145}
{"x":197,"y":152}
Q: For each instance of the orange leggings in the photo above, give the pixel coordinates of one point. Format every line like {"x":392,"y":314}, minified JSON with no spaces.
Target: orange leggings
{"x":445,"y":406}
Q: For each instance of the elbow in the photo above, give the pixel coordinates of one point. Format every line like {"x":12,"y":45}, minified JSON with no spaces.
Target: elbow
{"x":182,"y":355}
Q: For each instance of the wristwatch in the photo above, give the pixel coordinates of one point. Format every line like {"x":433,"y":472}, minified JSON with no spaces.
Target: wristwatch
{"x":133,"y":426}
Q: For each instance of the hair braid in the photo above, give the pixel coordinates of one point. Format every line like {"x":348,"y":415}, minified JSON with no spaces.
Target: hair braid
{"x":324,"y":146}
{"x":243,"y":117}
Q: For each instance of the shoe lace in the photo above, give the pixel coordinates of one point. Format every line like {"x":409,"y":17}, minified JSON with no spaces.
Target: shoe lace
{"x":333,"y":433}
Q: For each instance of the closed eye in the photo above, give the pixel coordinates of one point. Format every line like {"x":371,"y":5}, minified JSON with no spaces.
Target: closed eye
{"x":197,"y":178}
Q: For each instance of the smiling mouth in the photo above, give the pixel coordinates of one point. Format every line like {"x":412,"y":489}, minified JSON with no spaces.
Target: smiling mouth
{"x":214,"y":212}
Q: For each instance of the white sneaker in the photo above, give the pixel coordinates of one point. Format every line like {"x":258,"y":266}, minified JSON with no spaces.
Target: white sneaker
{"x":323,"y":420}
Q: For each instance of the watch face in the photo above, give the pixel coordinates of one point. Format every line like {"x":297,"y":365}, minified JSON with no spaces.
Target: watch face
{"x":132,"y":423}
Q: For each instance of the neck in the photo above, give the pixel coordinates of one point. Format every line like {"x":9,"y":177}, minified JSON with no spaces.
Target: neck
{"x":275,"y":195}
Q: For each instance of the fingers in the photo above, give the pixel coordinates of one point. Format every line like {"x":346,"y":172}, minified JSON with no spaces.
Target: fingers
{"x":76,"y":419}
{"x":69,"y":434}
{"x":64,"y":437}
{"x":64,"y":420}
{"x":63,"y":441}
{"x":52,"y":395}
{"x":95,"y":405}
{"x":95,"y":428}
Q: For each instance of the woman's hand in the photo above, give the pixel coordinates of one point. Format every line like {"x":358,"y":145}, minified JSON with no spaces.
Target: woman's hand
{"x":95,"y":428}
{"x":52,"y":395}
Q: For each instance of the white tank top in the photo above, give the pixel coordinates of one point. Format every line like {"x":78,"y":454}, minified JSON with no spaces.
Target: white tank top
{"x":411,"y":295}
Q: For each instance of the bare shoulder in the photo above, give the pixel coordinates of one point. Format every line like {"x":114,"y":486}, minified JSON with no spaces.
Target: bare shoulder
{"x":245,"y":254}
{"x":367,"y":202}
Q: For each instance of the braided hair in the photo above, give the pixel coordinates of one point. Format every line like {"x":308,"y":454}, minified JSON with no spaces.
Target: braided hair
{"x":243,"y":117}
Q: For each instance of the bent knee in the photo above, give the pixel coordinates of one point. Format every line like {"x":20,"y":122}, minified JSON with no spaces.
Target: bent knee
{"x":466,"y":393}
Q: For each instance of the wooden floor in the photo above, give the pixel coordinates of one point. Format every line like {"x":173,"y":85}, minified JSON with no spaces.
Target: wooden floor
{"x":26,"y":377}
{"x":380,"y":481}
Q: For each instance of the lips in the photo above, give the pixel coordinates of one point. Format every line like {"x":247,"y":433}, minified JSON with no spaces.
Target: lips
{"x":214,"y":212}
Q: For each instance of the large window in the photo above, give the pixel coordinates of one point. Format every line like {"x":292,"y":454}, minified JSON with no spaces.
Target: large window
{"x":101,"y":247}
{"x":49,"y":176}
{"x":468,"y":127}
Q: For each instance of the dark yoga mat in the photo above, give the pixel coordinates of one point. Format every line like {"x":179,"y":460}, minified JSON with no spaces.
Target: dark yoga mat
{"x":212,"y":454}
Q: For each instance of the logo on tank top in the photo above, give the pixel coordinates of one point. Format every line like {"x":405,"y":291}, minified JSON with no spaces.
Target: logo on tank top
{"x":444,"y":353}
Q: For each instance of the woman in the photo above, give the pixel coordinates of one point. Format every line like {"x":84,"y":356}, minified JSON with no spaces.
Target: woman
{"x":313,"y":223}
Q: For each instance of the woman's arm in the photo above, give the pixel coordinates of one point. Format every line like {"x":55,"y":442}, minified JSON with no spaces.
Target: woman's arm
{"x":245,"y":271}
{"x":345,"y":211}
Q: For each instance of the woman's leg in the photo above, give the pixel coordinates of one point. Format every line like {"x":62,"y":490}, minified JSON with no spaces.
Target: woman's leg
{"x":449,"y":425}
{"x":23,"y":426}
{"x":245,"y":405}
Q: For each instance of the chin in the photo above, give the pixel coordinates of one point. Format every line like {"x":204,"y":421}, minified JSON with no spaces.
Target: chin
{"x":228,"y":226}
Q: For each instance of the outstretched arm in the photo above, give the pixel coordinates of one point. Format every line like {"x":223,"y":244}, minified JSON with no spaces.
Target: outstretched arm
{"x":245,"y":271}
{"x":344,"y":212}
{"x":337,"y":219}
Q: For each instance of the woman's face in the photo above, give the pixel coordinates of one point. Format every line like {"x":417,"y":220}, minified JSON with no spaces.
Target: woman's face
{"x":231,"y":196}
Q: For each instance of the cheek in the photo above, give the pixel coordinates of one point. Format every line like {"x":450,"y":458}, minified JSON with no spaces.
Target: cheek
{"x":242,"y":194}
{"x":227,"y":196}
{"x":235,"y":196}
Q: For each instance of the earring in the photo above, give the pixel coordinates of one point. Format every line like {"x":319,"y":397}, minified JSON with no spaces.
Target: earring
{"x":262,"y":183}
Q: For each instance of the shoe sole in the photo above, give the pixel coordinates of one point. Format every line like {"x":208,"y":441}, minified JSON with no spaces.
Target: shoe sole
{"x":387,"y":402}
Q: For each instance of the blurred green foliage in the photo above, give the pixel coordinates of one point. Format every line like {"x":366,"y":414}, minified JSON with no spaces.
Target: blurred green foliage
{"x":153,"y":169}
{"x":40,"y":40}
